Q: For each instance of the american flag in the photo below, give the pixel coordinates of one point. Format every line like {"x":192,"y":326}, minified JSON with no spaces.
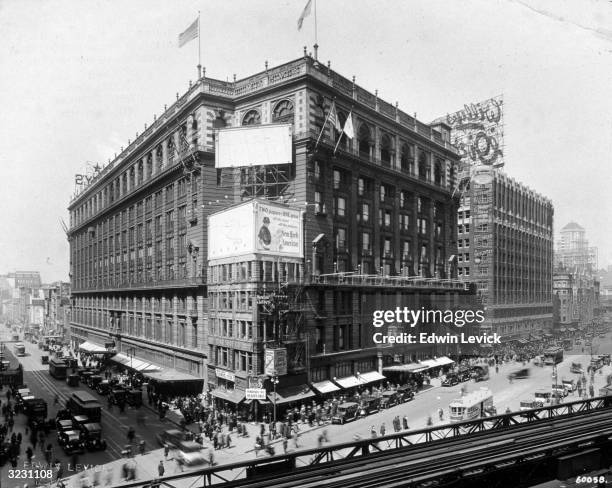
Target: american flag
{"x":190,"y":33}
{"x":333,"y":118}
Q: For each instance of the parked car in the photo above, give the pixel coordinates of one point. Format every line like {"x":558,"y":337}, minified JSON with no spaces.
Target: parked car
{"x":451,"y":380}
{"x":104,"y":387}
{"x":72,"y":380}
{"x":369,"y":405}
{"x":389,"y":398}
{"x":405,"y":394}
{"x":345,"y":413}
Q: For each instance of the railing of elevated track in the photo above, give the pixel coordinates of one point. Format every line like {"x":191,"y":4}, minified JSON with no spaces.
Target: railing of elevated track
{"x":292,"y":461}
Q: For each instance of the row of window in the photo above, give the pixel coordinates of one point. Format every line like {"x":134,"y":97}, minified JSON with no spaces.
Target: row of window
{"x":139,"y":172}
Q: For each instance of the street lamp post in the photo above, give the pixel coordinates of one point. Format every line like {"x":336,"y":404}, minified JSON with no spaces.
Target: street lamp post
{"x":274,"y":383}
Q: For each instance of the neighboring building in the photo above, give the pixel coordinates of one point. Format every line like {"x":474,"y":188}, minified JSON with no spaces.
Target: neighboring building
{"x":505,"y":247}
{"x":566,"y":313}
{"x":36,"y":309}
{"x":379,"y":232}
{"x":573,"y":251}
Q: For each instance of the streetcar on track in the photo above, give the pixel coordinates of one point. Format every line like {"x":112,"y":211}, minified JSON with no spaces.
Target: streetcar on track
{"x":19,"y":349}
{"x":553,"y":355}
{"x":476,"y":404}
{"x":58,"y":368}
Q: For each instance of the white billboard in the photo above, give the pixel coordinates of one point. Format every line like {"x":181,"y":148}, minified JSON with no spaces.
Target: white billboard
{"x":256,"y":227}
{"x":253,"y":145}
{"x":275,"y":361}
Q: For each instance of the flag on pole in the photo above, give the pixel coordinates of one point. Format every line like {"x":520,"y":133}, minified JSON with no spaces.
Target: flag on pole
{"x":333,"y":118}
{"x":190,"y":33}
{"x":348,"y":126}
{"x":305,"y":13}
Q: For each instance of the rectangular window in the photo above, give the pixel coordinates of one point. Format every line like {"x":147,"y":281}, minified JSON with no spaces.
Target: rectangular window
{"x":365,"y":241}
{"x":340,"y":206}
{"x":337,"y":179}
{"x":360,"y":187}
{"x":341,"y":239}
{"x":383,"y":193}
{"x":365,"y":212}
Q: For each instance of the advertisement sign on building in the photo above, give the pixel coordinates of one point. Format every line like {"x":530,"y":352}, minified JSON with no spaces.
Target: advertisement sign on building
{"x":254,"y":145}
{"x":275,"y":361}
{"x":255,"y":393}
{"x":226,"y":375}
{"x":478,"y":133}
{"x":256,"y":227}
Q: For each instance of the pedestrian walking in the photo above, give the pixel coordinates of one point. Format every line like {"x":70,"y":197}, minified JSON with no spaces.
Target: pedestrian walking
{"x":160,"y":468}
{"x":405,"y":422}
{"x":383,"y":429}
{"x":166,"y":450}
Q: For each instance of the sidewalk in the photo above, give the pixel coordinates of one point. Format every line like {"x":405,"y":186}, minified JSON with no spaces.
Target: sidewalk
{"x":241,"y":449}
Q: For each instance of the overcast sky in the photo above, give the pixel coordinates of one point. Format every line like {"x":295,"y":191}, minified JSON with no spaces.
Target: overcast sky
{"x":79,"y":78}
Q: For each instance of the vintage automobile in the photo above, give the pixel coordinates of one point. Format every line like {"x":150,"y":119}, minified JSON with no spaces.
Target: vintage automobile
{"x":405,"y":394}
{"x":389,"y":398}
{"x":63,"y":425}
{"x":480,"y":373}
{"x":576,"y":368}
{"x":118,"y":395}
{"x":134,"y":398}
{"x":559,"y":390}
{"x":531,"y":402}
{"x":345,"y":413}
{"x":464,"y":374}
{"x":451,"y":380}
{"x":369,"y":405}
{"x":104,"y":387}
{"x":70,"y":441}
{"x":91,"y":435}
{"x":172,"y":437}
{"x":570,"y":385}
{"x":596,"y":364}
{"x":519,"y":374}
{"x":79,"y":420}
{"x":44,"y":359}
{"x":190,"y":453}
{"x":544,"y":395}
{"x":94,"y":380}
{"x":72,"y":380}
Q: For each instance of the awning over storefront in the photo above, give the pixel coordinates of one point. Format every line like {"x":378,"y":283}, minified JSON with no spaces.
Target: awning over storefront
{"x":233,"y":396}
{"x":171,"y":381}
{"x":370,"y":377}
{"x":291,"y":394}
{"x":134,"y":363}
{"x":348,"y":381}
{"x":92,"y":348}
{"x":434,"y":363}
{"x":406,"y":368}
{"x":324,"y":387}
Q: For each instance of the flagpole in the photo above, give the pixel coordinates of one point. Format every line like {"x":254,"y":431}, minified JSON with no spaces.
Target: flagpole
{"x":316,"y":44}
{"x":322,"y":129}
{"x":199,"y":49}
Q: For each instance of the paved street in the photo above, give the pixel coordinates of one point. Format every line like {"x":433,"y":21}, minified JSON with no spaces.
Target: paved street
{"x":506,"y":394}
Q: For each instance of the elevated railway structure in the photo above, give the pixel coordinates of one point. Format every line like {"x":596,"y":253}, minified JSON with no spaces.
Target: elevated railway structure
{"x":513,"y":450}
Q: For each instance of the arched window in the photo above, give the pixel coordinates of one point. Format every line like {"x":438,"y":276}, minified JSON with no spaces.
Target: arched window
{"x":252,"y":117}
{"x":438,"y":172}
{"x":170,"y":149}
{"x":364,"y":140}
{"x":149,"y":165}
{"x":283,"y":111}
{"x":159,"y":156}
{"x":386,"y":148}
{"x":140,"y":175}
{"x":407,"y":159}
{"x":423,"y":166}
{"x":183,"y":143}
